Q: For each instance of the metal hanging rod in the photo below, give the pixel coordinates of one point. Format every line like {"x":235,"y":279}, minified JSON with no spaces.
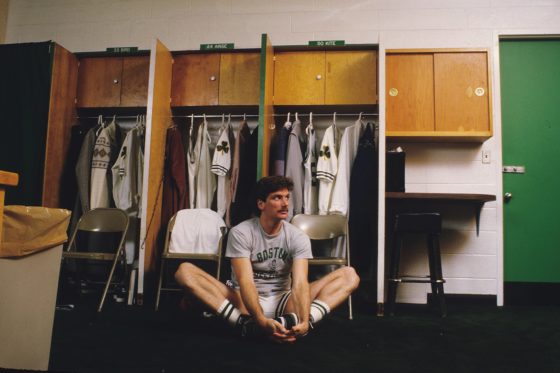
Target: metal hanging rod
{"x":219,"y":116}
{"x":306,"y":114}
{"x":111,"y":117}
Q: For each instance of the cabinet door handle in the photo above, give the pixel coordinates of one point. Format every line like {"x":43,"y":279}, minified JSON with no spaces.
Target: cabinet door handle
{"x":212,"y":78}
{"x":115,"y":81}
{"x":318,"y":77}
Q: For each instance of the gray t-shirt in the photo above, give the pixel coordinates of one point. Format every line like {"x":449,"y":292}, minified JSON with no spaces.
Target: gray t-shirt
{"x":271,"y":256}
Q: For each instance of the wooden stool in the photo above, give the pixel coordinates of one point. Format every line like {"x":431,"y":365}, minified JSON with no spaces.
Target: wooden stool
{"x":430,"y":225}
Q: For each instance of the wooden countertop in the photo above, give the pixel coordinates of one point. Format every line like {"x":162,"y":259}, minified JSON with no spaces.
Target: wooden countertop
{"x":466,"y":197}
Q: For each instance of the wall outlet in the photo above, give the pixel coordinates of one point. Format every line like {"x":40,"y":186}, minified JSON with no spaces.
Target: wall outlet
{"x":486,"y":156}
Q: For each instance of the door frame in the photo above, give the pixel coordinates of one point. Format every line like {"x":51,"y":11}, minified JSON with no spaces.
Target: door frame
{"x":498,"y":36}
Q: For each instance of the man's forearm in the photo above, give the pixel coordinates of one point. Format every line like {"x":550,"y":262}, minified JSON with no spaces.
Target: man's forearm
{"x":302,"y":300}
{"x":250,"y":298}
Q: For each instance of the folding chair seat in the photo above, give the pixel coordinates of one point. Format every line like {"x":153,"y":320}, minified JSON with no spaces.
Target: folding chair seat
{"x":105,"y":221}
{"x":326,"y":227}
{"x":192,"y":234}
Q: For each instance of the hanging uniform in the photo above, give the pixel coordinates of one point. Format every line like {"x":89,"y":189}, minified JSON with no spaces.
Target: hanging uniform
{"x":175,"y":194}
{"x":202,"y":183}
{"x":128,"y":172}
{"x":310,"y":184}
{"x":104,"y":154}
{"x":294,"y":168}
{"x":327,"y":167}
{"x":243,"y":175}
{"x":83,"y":168}
{"x":362,"y":221}
{"x":278,"y":149}
{"x":346,"y":155}
{"x":221,"y":166}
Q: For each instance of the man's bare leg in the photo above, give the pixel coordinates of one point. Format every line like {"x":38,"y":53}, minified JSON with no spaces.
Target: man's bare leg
{"x":329,"y":292}
{"x":215,"y":295}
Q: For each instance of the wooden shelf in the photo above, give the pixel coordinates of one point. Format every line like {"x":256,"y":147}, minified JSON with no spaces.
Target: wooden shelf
{"x":448,"y":136}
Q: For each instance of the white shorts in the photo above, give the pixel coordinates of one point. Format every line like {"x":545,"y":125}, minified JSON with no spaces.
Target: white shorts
{"x":272,"y":305}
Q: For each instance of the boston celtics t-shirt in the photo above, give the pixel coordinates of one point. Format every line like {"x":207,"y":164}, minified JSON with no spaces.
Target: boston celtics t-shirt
{"x":271,"y":255}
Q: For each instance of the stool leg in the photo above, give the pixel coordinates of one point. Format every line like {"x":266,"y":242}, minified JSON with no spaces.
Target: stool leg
{"x":432,"y":264}
{"x":394,"y":274}
{"x":439,"y":275}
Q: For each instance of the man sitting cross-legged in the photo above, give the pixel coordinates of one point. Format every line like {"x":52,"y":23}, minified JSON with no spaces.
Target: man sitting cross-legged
{"x":269,"y":293}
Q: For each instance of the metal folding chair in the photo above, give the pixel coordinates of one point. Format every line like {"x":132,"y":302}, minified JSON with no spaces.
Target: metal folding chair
{"x":102,"y":220}
{"x":167,"y":256}
{"x":326,"y":227}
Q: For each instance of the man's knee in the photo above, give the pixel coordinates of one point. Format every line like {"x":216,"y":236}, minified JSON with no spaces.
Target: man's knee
{"x":186,"y":274}
{"x":351,"y":277}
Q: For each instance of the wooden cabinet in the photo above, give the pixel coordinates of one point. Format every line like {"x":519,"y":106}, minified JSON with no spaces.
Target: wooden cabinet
{"x":325,"y":78}
{"x":239,"y":79}
{"x":215,"y":79}
{"x":113,"y":81}
{"x":438,"y":94}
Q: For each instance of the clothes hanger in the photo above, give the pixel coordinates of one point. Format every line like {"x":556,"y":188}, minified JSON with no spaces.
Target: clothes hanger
{"x":309,"y":127}
{"x":288,"y":124}
{"x":334,"y":127}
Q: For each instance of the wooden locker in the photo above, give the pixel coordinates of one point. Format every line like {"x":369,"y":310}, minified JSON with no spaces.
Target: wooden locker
{"x":351,"y":78}
{"x":195,"y":80}
{"x":299,"y":78}
{"x":461,"y":92}
{"x":99,"y":82}
{"x":239,"y":79}
{"x":410,"y":92}
{"x":135,"y":76}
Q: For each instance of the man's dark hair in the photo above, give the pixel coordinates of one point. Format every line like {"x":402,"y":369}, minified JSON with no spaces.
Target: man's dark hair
{"x":271,"y":184}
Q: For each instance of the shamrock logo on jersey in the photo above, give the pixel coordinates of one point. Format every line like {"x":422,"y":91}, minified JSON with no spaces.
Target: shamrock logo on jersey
{"x":325,"y":152}
{"x":223,"y":147}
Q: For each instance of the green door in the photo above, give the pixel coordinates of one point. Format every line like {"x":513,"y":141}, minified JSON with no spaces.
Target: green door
{"x":530,"y":90}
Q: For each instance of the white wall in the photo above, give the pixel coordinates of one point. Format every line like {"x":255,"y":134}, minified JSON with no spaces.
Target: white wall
{"x":472,"y":264}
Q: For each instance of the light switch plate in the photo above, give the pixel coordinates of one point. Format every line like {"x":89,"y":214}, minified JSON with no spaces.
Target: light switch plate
{"x":486,"y":156}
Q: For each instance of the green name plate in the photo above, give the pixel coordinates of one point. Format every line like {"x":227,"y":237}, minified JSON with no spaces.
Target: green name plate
{"x":122,"y":49}
{"x":209,"y":47}
{"x":326,"y":43}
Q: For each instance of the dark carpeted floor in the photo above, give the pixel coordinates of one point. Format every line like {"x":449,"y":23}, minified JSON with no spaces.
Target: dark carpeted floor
{"x":473,"y":338}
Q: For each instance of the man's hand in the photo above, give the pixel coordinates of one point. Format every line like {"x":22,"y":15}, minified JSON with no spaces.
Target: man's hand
{"x":276,"y":332}
{"x":300,"y":330}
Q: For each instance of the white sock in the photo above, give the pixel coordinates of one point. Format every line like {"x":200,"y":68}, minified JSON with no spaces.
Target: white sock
{"x":229,"y":313}
{"x":319,"y":309}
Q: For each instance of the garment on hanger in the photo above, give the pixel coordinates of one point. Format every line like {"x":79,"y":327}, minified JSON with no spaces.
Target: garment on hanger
{"x":83,"y":168}
{"x":104,"y":155}
{"x":221,"y":166}
{"x":294,"y":167}
{"x":243,"y":175}
{"x":327,"y":167}
{"x":175,"y":194}
{"x":202,"y":182}
{"x":68,"y":185}
{"x":362,"y":219}
{"x":347,"y":154}
{"x":128,"y":172}
{"x":310,"y":184}
{"x":278,"y":150}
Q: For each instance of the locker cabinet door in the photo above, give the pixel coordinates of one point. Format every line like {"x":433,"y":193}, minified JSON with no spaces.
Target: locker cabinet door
{"x":351,"y":78}
{"x":410,"y":92}
{"x":196,"y":80}
{"x":99,"y":82}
